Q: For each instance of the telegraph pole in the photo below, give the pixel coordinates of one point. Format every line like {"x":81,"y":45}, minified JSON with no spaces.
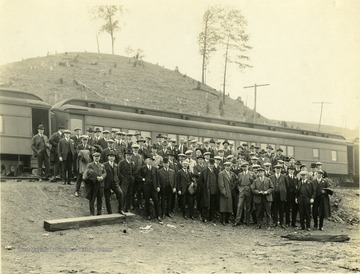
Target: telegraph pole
{"x":255,"y":86}
{"x":322,"y":104}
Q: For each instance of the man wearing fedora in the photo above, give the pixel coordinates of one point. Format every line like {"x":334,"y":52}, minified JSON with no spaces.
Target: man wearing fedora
{"x":54,"y":156}
{"x":41,"y":148}
{"x":66,"y":152}
{"x":305,"y":198}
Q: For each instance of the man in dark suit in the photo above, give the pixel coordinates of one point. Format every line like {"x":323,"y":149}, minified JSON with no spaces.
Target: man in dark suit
{"x":126,"y":175}
{"x":207,"y":187}
{"x":103,"y":142}
{"x":41,"y":148}
{"x":111,"y":182}
{"x":291,"y":206}
{"x":94,"y":176}
{"x":66,"y":151}
{"x":262,"y":188}
{"x":182,"y":147}
{"x":304,"y":198}
{"x":106,"y":151}
{"x":279,"y":196}
{"x":148,"y":175}
{"x":138,"y":161}
{"x":166,"y":177}
{"x":83,"y":151}
{"x":183,"y":181}
{"x":162,"y":151}
{"x":54,"y":157}
{"x":77,"y":141}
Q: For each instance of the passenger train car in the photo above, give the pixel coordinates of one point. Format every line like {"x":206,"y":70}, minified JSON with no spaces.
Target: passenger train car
{"x":339,"y":157}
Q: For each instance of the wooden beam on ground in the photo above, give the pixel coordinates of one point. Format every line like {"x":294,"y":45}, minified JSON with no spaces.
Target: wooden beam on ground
{"x":318,"y":238}
{"x":74,"y":223}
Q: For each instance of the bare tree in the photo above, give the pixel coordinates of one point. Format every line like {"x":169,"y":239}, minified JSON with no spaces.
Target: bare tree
{"x":110,"y":16}
{"x":209,"y":36}
{"x":235,"y":41}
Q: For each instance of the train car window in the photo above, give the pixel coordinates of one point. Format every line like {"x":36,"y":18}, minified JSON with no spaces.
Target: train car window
{"x":290,"y":151}
{"x":1,"y":124}
{"x":315,"y":153}
{"x":334,"y":156}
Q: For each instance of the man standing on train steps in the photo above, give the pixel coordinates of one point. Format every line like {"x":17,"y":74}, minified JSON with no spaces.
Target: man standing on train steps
{"x":66,"y":152}
{"x":41,"y":148}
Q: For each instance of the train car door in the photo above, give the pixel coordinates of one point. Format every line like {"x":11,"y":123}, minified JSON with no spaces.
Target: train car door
{"x":40,"y":116}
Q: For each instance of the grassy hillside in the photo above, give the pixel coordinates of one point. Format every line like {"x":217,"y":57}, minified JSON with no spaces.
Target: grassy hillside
{"x":116,"y":79}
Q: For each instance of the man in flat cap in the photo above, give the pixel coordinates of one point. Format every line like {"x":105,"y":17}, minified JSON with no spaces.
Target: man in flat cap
{"x":54,"y":157}
{"x":103,"y":142}
{"x":94,"y":176}
{"x":305,"y":198}
{"x":41,"y":148}
{"x":66,"y":152}
{"x":111,"y":183}
{"x":319,"y":167}
{"x":151,"y":186}
{"x":120,"y":145}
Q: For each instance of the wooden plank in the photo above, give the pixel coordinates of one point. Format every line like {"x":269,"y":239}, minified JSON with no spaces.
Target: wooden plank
{"x":74,"y":223}
{"x":318,"y":238}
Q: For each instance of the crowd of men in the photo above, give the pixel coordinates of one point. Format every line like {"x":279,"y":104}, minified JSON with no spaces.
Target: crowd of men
{"x":211,"y":180}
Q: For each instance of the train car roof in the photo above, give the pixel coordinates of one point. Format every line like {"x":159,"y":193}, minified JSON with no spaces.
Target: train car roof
{"x":16,"y":97}
{"x":81,"y":103}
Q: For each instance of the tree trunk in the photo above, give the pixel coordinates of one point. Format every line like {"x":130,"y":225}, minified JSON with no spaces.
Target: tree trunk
{"x":225,"y":68}
{"x":204,"y":55}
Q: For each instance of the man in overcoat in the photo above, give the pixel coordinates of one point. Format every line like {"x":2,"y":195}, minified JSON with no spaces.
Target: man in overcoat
{"x":66,"y":152}
{"x":41,"y":148}
{"x":224,"y":183}
{"x":291,"y":206}
{"x":279,"y":196}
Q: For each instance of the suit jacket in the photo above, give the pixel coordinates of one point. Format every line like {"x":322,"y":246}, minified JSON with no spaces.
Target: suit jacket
{"x":112,"y":177}
{"x":103,"y":143}
{"x":183,"y":181}
{"x":224,"y":183}
{"x":291,"y":185}
{"x":54,"y":141}
{"x":258,"y":186}
{"x":77,"y":140}
{"x":182,"y":149}
{"x":280,"y":186}
{"x":166,"y":176}
{"x":37,"y":144}
{"x":204,"y":188}
{"x":146,"y":175}
{"x":126,"y":170}
{"x":64,"y":148}
{"x":105,"y":153}
{"x":98,"y":169}
{"x":138,"y":160}
{"x":309,"y":186}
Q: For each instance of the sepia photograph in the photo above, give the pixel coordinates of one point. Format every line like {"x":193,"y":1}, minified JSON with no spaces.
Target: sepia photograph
{"x":178,"y":136}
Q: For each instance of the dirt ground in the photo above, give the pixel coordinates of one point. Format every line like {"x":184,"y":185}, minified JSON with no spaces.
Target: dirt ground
{"x":186,"y":246}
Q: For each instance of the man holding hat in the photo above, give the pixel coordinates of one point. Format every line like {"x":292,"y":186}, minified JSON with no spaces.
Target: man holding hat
{"x":126,"y":175}
{"x":54,"y":157}
{"x":321,"y":208}
{"x":41,"y":148}
{"x":66,"y":152}
{"x":305,"y":198}
{"x":207,"y":187}
{"x":111,"y":183}
{"x":94,"y":176}
{"x":151,"y":187}
{"x":166,"y":177}
{"x":262,"y":188}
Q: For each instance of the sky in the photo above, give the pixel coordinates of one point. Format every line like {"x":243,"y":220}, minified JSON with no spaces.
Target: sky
{"x":306,"y":50}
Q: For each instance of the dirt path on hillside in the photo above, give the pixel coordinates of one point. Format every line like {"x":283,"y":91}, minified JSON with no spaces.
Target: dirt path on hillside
{"x":183,"y":247}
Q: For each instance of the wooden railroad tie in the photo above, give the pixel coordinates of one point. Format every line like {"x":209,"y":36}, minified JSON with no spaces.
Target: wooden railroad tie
{"x":87,"y":221}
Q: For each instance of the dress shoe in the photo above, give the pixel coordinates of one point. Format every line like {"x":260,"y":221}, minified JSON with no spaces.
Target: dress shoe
{"x":159,"y":219}
{"x":294,"y":225}
{"x":169,"y":215}
{"x":302,"y":228}
{"x":69,"y":183}
{"x":204,"y":220}
{"x":235,"y":224}
{"x":148,"y":217}
{"x":76,"y":194}
{"x":322,"y":229}
{"x":192,"y":217}
{"x":223,"y":223}
{"x":121,"y":212}
{"x":185,"y":217}
{"x":308,"y":229}
{"x":259,"y":226}
{"x":64,"y":183}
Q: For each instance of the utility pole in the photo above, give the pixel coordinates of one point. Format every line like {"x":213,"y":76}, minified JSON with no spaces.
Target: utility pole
{"x":322,"y":104}
{"x":255,"y":86}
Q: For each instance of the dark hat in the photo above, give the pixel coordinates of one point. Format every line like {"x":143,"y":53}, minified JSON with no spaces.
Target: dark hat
{"x":212,"y":141}
{"x":256,"y":147}
{"x":328,"y":191}
{"x":149,"y":156}
{"x":211,"y":161}
{"x":291,"y":157}
{"x":159,"y":136}
{"x":226,"y":141}
{"x":234,"y":161}
{"x":280,"y":149}
{"x":291,"y":167}
{"x":298,"y":163}
{"x":77,"y":128}
{"x":97,"y":130}
{"x":312,"y":165}
{"x":61,"y":126}
{"x":128,"y":151}
{"x":165,"y":142}
{"x":96,"y":154}
{"x":286,"y":159}
{"x":262,"y":151}
{"x":240,"y":147}
{"x":244,"y":144}
{"x":41,"y":126}
{"x":90,"y":129}
{"x":148,"y":137}
{"x":165,"y":160}
{"x":252,"y":146}
{"x":112,"y":153}
{"x":113,"y":131}
{"x":268,"y":146}
{"x":302,"y":165}
{"x":154,"y":146}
